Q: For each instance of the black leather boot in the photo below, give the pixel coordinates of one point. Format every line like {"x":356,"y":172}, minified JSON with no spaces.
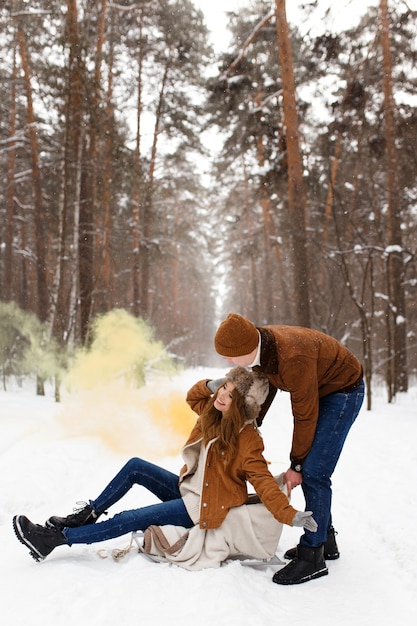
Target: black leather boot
{"x":40,"y":540}
{"x":82,"y":516}
{"x":307,"y":565}
{"x":331,"y":551}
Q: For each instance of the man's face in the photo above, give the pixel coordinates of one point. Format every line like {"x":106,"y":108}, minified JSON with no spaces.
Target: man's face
{"x":244,"y":360}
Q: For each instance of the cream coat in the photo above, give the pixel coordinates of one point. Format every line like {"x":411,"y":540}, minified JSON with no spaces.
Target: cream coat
{"x":249,"y":531}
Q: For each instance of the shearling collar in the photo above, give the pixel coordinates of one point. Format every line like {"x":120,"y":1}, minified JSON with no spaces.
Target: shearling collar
{"x":269,"y":357}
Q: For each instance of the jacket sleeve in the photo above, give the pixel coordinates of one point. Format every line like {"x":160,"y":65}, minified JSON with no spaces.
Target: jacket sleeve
{"x":198,"y":396}
{"x":257,"y":473}
{"x":302,"y":382}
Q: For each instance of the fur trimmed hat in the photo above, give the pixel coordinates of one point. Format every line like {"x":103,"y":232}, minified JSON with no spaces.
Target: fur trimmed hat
{"x":236,"y":336}
{"x":252,"y":386}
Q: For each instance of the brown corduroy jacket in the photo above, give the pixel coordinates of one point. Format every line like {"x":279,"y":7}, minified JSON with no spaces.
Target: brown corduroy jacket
{"x":309,"y":365}
{"x":224,"y":486}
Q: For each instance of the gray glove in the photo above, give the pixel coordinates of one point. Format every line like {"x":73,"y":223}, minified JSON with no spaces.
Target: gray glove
{"x":306,"y":520}
{"x":213,"y":385}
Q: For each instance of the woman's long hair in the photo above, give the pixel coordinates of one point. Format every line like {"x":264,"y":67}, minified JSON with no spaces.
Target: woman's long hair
{"x":225,"y":426}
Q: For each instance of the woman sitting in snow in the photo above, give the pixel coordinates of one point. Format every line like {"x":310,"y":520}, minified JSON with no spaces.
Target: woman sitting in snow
{"x":223,"y":452}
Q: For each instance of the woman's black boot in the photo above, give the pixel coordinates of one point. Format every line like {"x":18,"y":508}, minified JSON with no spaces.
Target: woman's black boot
{"x":40,"y":540}
{"x":82,"y":516}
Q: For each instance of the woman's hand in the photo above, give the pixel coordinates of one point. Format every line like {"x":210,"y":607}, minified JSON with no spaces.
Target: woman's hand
{"x":306,"y":520}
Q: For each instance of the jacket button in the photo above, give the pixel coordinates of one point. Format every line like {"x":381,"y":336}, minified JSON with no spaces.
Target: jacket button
{"x":205,"y":484}
{"x":204,"y":524}
{"x":204,"y":503}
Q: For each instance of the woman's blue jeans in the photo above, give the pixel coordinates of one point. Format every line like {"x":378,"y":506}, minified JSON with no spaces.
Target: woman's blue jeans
{"x":337,"y":413}
{"x":161,"y":482}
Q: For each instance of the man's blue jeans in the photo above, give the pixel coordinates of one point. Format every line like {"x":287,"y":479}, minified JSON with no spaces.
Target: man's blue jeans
{"x":161,"y":482}
{"x":337,"y":413}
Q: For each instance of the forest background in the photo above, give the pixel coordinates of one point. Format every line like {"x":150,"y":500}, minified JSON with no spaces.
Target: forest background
{"x":150,"y":178}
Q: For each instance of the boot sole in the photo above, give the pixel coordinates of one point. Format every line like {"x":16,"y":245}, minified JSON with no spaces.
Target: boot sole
{"x":20,"y":536}
{"x":327,"y":557}
{"x":322,"y":572}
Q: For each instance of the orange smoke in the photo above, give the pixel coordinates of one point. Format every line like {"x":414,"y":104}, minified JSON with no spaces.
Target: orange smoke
{"x":153,"y":421}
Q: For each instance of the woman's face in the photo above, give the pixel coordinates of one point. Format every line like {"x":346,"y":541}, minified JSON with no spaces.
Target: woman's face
{"x":224,"y":397}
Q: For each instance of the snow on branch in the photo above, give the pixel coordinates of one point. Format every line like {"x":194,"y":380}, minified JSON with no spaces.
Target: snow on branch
{"x":264,"y":102}
{"x":121,"y":7}
{"x":247,"y":43}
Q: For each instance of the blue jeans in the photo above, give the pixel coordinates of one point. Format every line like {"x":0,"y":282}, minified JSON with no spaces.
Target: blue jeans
{"x":337,"y":413}
{"x":160,"y":482}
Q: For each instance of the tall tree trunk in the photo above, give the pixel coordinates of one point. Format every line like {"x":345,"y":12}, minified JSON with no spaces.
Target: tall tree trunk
{"x":88,"y":219}
{"x":274,"y":288}
{"x":396,"y":263}
{"x":147,"y":213}
{"x":357,"y":293}
{"x":296,"y":193}
{"x":39,"y":214}
{"x":67,"y":285}
{"x":104,"y":271}
{"x":137,"y":303}
{"x":8,"y":279}
{"x":85,"y":242}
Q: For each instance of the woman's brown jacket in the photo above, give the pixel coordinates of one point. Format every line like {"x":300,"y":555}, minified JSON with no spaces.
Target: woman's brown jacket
{"x":224,"y":486}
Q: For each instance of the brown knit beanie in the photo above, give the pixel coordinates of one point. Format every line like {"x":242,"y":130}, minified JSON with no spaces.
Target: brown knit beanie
{"x":236,"y":336}
{"x":252,"y":386}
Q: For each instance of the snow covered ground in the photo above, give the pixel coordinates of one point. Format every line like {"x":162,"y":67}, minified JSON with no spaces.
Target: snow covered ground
{"x":52,"y":455}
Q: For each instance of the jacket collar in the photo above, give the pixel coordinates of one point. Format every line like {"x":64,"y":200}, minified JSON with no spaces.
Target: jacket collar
{"x":269,"y":357}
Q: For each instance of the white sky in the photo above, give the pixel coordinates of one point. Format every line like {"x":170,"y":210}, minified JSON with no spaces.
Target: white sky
{"x":344,"y":13}
{"x":216,"y":19}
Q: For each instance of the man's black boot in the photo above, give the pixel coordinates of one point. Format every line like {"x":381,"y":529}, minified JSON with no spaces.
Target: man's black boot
{"x":331,"y":551}
{"x":40,"y":540}
{"x":307,"y":565}
{"x":81,"y":517}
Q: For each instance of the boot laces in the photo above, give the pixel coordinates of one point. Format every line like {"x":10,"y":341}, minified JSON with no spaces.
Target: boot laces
{"x":80,"y":505}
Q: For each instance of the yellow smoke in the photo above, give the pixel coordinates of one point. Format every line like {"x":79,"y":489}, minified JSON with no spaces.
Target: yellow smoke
{"x":123,"y":347}
{"x":106,"y":397}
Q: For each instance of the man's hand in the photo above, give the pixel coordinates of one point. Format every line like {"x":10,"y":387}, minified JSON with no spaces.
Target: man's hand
{"x":292,"y":479}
